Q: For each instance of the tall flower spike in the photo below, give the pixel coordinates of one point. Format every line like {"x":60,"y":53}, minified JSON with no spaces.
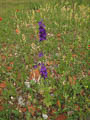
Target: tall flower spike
{"x":41,"y":24}
{"x":42,"y":31}
{"x":43,"y":71}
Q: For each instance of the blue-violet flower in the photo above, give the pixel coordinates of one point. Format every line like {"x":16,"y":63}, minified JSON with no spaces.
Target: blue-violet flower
{"x":42,"y":31}
{"x":43,"y":71}
{"x":40,"y":54}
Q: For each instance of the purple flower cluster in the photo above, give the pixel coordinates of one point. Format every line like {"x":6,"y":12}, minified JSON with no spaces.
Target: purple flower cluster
{"x":43,"y":71}
{"x":35,"y":66}
{"x":42,"y":35}
{"x":42,"y":31}
{"x":40,"y":54}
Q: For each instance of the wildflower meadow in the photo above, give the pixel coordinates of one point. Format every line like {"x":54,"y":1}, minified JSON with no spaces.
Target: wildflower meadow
{"x":44,"y":66}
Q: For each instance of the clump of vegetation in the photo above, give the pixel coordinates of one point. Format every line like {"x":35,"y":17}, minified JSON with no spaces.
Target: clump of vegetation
{"x":45,"y":79}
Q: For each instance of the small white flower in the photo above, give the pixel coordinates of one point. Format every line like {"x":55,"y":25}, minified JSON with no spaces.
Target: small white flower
{"x":12,"y":97}
{"x":52,"y":94}
{"x":10,"y":103}
{"x":15,"y":54}
{"x":64,"y":82}
{"x":20,"y":101}
{"x":27,"y":84}
{"x":50,"y":34}
{"x":57,"y":54}
{"x":45,"y":116}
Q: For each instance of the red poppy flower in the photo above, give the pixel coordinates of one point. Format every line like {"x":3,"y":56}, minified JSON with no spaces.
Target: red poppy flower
{"x":58,"y":35}
{"x":88,"y":46}
{"x":2,"y":85}
{"x":17,"y":10}
{"x":31,"y":109}
{"x":23,"y":109}
{"x":38,"y":11}
{"x":17,"y":31}
{"x":0,"y":18}
{"x":11,"y":63}
{"x":9,"y":68}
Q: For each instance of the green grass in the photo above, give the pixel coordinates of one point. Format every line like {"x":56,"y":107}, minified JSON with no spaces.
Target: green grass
{"x":9,"y":5}
{"x":66,"y":46}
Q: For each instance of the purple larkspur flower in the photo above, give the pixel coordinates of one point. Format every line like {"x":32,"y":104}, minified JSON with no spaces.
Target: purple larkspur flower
{"x":43,"y":71}
{"x":42,"y":31}
{"x":41,"y":24}
{"x":35,"y":66}
{"x":40,"y":54}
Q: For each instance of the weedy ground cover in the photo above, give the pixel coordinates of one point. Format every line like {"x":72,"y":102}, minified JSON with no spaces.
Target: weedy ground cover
{"x":62,"y":59}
